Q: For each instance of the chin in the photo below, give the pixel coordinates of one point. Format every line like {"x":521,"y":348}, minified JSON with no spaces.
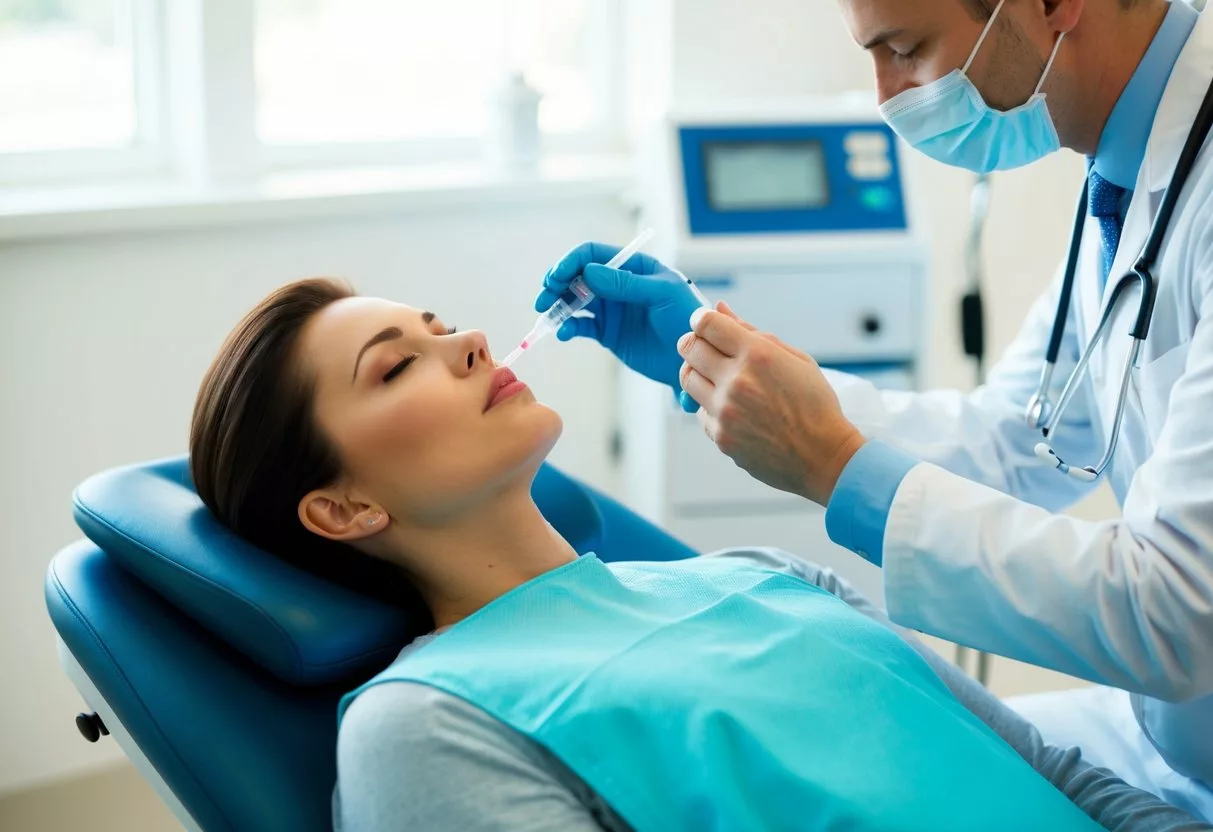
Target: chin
{"x":547,"y":426}
{"x":532,"y":433}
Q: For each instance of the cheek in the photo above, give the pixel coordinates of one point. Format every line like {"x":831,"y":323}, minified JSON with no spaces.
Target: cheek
{"x":424,"y":455}
{"x":412,"y":443}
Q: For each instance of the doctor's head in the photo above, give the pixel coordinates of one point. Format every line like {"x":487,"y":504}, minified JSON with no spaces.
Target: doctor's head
{"x":330,"y":421}
{"x":1095,"y":46}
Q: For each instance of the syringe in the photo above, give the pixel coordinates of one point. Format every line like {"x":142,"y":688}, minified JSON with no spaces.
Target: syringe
{"x":562,"y":310}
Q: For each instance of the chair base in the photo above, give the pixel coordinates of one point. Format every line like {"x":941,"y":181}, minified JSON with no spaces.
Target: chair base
{"x":118,"y":731}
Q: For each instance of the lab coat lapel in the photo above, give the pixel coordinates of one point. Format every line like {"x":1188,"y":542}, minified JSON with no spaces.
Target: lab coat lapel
{"x":1177,"y":111}
{"x":1185,"y":91}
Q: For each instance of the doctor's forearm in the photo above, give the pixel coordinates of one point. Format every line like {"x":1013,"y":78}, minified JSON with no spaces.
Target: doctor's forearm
{"x":981,"y":436}
{"x":1124,"y":605}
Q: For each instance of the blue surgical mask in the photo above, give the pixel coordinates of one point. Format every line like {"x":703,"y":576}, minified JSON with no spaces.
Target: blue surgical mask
{"x":949,"y":121}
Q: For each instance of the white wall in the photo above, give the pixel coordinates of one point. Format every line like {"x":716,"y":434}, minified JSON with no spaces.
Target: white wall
{"x":772,"y":47}
{"x":103,"y":340}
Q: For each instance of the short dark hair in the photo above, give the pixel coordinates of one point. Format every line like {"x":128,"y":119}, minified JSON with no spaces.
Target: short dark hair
{"x":256,"y":450}
{"x":982,"y":9}
{"x":978,"y":9}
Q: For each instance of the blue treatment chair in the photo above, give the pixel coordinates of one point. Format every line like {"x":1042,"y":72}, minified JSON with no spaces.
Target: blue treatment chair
{"x":217,"y":667}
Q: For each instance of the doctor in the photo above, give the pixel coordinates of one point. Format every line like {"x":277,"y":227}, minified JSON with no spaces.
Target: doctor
{"x":946,"y":490}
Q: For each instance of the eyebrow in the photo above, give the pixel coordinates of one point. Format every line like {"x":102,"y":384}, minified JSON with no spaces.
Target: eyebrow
{"x":390,"y":333}
{"x":883,"y":37}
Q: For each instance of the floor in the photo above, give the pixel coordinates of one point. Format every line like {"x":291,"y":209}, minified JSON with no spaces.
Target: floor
{"x":116,"y":800}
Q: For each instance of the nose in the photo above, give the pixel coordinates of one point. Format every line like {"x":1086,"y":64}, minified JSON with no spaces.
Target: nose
{"x":890,"y":81}
{"x":473,"y":352}
{"x":886,"y":86}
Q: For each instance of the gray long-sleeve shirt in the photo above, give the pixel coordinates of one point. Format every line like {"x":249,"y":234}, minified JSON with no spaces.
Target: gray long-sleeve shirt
{"x":411,"y":757}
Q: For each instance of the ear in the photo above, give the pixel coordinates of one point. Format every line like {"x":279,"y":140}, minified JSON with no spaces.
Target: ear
{"x":1063,"y":15}
{"x":328,"y":514}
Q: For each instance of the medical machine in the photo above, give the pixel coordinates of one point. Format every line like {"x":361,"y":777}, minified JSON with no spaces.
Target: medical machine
{"x":797,"y":214}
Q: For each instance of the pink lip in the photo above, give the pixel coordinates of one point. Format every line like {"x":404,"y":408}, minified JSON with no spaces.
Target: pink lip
{"x":504,"y":385}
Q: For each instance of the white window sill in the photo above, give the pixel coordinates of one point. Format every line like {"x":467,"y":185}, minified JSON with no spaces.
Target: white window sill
{"x":105,"y":209}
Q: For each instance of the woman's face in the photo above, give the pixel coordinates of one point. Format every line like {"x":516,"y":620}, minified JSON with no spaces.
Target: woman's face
{"x":425,"y":424}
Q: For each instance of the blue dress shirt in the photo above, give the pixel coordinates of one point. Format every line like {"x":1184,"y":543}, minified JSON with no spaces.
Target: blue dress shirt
{"x":1122,"y":147}
{"x":858,"y":512}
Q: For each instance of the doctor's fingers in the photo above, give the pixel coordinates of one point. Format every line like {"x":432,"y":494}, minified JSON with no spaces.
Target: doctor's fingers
{"x":724,"y":308}
{"x":788,"y":348}
{"x":698,"y":387}
{"x":703,"y":357}
{"x":728,"y":335}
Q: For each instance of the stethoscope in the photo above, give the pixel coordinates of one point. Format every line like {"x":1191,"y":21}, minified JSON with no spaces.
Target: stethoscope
{"x":1041,"y":413}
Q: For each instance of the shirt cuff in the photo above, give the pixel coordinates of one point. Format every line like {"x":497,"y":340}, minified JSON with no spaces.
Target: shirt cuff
{"x":859,"y":508}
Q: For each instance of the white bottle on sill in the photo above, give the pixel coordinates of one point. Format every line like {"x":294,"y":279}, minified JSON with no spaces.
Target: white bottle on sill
{"x":512,"y":141}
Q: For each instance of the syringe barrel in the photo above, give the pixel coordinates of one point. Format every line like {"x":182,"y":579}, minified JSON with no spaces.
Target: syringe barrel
{"x":562,"y":310}
{"x":551,"y":320}
{"x":581,"y":295}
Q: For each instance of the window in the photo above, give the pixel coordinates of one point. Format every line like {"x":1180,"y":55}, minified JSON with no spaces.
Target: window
{"x":390,"y":70}
{"x":67,"y":75}
{"x":209,"y":91}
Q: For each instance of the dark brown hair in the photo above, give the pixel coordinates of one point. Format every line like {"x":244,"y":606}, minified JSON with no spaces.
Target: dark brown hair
{"x":256,"y":450}
{"x":982,"y":9}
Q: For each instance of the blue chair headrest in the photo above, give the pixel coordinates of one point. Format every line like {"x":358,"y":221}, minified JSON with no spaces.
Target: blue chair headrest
{"x":301,"y":628}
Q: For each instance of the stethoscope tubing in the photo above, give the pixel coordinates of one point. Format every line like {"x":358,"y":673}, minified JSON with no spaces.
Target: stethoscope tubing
{"x":1039,"y":412}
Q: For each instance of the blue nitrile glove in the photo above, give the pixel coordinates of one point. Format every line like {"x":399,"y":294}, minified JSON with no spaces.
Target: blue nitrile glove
{"x":639,"y":312}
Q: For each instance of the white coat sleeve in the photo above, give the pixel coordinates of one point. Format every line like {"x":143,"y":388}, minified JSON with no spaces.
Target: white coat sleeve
{"x":1125,"y":602}
{"x":983,"y":436}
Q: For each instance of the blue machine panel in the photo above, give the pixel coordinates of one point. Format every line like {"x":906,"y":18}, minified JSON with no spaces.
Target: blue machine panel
{"x":795,"y":178}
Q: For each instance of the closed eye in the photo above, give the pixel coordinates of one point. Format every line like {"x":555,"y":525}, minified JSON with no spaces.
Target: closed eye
{"x":399,"y":368}
{"x":403,"y":364}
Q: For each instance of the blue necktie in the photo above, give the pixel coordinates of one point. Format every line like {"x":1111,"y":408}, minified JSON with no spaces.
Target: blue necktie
{"x":1103,"y":203}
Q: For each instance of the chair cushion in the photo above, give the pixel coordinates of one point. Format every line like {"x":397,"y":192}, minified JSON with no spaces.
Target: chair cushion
{"x":241,"y":750}
{"x":301,"y":628}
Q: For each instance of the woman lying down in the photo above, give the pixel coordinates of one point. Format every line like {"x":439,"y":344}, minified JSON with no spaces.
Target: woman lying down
{"x":742,"y":691}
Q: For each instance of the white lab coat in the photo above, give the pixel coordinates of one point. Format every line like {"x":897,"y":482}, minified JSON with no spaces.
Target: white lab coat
{"x":974,"y":551}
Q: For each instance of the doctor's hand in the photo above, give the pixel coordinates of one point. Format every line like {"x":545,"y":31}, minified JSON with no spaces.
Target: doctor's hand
{"x":638,"y":313}
{"x":767,"y":405}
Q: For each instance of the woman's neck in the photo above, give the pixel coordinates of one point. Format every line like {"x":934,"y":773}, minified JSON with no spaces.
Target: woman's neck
{"x":476,"y":559}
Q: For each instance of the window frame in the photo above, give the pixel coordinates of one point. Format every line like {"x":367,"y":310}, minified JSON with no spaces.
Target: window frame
{"x":149,"y":152}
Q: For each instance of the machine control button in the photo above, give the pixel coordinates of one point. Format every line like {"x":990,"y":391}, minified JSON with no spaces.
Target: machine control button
{"x":866,"y":143}
{"x":877,"y":198}
{"x":870,"y":324}
{"x":870,"y":168}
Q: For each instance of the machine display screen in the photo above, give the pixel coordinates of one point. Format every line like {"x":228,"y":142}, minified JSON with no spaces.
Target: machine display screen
{"x":766,"y":176}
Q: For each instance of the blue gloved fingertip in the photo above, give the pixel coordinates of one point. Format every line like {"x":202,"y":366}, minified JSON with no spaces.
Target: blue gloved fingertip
{"x":689,"y":405}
